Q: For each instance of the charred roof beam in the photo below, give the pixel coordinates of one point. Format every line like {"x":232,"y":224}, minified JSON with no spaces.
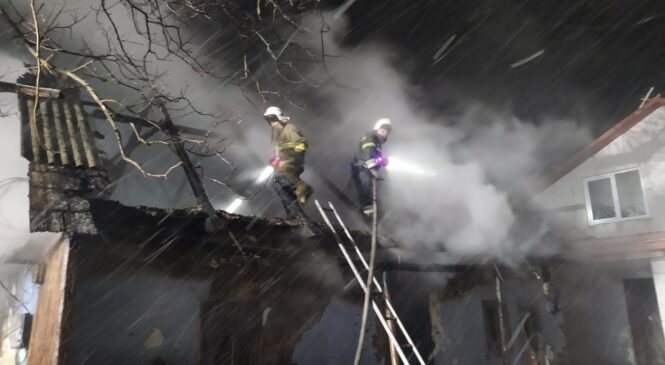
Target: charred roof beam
{"x":44,"y":92}
{"x":122,"y":118}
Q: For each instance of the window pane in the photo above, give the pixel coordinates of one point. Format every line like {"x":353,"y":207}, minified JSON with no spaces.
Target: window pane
{"x":629,"y":189}
{"x":600,"y":195}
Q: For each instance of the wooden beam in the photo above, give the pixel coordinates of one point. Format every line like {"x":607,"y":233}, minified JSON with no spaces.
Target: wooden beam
{"x":44,"y":92}
{"x":45,"y":337}
{"x":122,"y":118}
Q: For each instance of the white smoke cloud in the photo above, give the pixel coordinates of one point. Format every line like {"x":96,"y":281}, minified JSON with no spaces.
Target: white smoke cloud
{"x":17,"y":244}
{"x":14,"y":219}
{"x":175,"y":77}
{"x":485,"y":161}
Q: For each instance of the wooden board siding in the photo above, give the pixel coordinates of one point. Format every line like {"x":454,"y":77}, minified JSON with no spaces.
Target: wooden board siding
{"x":638,"y":246}
{"x":45,"y":337}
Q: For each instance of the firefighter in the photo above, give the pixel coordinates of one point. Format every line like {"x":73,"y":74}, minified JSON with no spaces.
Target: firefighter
{"x":550,"y":291}
{"x":289,"y":161}
{"x":367,"y":161}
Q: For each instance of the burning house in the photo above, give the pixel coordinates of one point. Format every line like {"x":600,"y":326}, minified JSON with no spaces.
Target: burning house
{"x":156,"y":286}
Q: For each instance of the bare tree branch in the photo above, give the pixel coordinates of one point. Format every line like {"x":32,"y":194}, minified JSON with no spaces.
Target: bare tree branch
{"x":114,"y":126}
{"x":37,"y":60}
{"x":140,"y":36}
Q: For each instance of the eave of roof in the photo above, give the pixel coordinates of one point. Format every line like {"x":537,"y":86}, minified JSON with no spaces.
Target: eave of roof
{"x":603,"y":141}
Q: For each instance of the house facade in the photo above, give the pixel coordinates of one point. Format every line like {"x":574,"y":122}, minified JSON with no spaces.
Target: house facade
{"x":609,"y":202}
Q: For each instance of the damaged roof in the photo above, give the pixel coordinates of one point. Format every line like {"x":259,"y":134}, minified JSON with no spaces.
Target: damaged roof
{"x":163,"y":227}
{"x":184,"y":230}
{"x":60,"y":134}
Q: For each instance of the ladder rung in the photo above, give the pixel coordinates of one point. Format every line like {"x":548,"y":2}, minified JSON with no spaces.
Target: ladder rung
{"x":381,"y":316}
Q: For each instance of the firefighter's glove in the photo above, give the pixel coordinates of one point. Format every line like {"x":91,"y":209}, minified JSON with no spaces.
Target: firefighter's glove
{"x":274,"y":162}
{"x":370,"y":164}
{"x":375,"y":163}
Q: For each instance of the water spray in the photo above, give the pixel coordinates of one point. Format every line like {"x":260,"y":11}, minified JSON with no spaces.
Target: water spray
{"x":403,"y":166}
{"x":264,"y":175}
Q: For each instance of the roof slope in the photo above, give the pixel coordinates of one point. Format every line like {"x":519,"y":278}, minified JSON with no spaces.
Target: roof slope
{"x":601,"y":142}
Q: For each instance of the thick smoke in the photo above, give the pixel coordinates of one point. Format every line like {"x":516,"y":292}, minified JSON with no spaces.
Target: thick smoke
{"x":479,"y":166}
{"x":173,"y":76}
{"x":480,"y":163}
{"x":18,"y":247}
{"x":16,"y":242}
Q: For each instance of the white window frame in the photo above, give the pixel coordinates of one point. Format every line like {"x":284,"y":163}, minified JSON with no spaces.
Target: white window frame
{"x":615,"y":198}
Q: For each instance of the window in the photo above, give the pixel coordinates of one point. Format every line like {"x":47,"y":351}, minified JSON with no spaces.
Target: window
{"x":614,"y":197}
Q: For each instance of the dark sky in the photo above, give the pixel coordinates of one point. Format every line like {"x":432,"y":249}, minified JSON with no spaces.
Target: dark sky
{"x":600,"y":57}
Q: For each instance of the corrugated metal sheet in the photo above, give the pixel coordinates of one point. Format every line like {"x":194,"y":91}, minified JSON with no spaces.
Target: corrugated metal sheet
{"x":60,"y":134}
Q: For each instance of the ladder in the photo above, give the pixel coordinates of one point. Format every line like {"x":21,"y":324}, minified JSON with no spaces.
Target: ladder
{"x":375,"y":282}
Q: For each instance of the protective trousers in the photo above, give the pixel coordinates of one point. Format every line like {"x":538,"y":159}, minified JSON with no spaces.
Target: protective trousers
{"x":362,"y":179}
{"x":290,"y":188}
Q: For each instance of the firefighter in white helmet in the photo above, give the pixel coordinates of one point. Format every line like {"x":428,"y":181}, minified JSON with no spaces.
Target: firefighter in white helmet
{"x":367,"y":161}
{"x":289,"y":162}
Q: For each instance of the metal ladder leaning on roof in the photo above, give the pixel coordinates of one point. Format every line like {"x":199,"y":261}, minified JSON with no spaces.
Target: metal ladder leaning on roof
{"x":376,"y":284}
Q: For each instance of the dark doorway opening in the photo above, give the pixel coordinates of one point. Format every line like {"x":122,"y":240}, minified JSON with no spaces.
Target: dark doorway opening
{"x":644,"y":318}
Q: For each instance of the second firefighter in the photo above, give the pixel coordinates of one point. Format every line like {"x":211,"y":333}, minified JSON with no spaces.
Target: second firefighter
{"x":367,"y":161}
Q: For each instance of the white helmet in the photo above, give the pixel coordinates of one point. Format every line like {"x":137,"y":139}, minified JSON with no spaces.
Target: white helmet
{"x":277,"y":112}
{"x":383,"y":123}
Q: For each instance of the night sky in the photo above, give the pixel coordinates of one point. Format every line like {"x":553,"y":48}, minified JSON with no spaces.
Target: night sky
{"x":600,"y":57}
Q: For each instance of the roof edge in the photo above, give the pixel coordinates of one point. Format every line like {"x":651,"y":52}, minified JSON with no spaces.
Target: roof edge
{"x":601,"y":142}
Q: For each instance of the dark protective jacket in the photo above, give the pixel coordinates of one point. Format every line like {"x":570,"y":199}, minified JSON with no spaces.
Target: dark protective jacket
{"x":289,"y":144}
{"x":369,"y":148}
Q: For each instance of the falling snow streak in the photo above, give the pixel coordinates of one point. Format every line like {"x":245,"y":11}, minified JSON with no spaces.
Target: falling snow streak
{"x":441,"y":53}
{"x":342,"y":9}
{"x":528,"y":59}
{"x":288,"y":41}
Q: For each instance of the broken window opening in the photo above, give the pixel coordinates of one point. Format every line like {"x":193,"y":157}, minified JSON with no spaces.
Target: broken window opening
{"x":644,"y":318}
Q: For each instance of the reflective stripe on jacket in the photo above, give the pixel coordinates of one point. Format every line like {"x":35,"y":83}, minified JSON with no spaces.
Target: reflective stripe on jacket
{"x":289,"y":143}
{"x":369,"y":148}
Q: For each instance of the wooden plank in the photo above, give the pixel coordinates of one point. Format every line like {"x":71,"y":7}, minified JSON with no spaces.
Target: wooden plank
{"x":45,"y":92}
{"x":45,"y":336}
{"x":639,"y":245}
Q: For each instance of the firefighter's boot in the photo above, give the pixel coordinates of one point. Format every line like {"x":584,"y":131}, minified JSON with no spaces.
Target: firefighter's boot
{"x":367,"y":213}
{"x":303,"y":192}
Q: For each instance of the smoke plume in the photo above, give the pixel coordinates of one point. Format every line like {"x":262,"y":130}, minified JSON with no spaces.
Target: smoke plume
{"x":477,"y":164}
{"x":477,"y":167}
